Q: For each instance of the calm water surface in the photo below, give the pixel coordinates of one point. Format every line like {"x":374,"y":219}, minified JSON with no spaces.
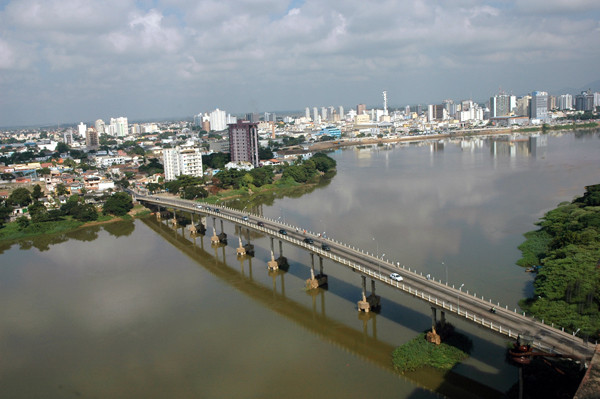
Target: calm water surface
{"x":139,"y":309}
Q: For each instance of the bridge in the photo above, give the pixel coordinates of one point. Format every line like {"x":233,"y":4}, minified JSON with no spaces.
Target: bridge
{"x":441,"y":297}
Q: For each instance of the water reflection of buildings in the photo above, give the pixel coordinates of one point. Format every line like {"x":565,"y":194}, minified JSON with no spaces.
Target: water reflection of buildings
{"x":518,"y":146}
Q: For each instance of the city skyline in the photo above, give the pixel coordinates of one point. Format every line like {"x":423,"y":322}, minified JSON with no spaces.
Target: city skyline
{"x":63,"y":61}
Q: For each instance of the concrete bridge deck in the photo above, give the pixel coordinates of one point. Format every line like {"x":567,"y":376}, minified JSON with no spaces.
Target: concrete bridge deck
{"x":470,"y":306}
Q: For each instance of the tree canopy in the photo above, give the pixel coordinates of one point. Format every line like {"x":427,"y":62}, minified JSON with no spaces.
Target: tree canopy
{"x":118,"y":204}
{"x":567,"y":247}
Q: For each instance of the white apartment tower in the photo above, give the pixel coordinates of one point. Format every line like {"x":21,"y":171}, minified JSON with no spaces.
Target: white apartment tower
{"x":81,"y":128}
{"x":182,"y":161}
{"x":218,"y":120}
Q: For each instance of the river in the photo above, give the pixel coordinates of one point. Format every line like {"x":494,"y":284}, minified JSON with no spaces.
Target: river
{"x":139,"y":309}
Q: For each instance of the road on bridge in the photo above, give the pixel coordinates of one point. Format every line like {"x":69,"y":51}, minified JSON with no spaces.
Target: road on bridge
{"x":449,"y":299}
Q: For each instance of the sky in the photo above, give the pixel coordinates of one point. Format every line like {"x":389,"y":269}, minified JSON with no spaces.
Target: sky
{"x":65,"y":61}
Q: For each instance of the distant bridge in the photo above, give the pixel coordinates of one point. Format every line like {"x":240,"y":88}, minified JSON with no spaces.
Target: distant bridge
{"x":439,"y":296}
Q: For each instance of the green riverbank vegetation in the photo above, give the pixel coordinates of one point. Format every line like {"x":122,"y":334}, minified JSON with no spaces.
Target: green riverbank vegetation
{"x":418,"y":353}
{"x":565,"y":251}
{"x":259,"y":185}
{"x":37,"y":218}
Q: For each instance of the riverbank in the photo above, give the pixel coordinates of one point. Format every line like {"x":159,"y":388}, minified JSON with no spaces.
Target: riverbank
{"x":11,"y":232}
{"x":565,"y":252}
{"x":329,"y":145}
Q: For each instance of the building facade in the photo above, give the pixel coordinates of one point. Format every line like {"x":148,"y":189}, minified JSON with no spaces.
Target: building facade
{"x":539,"y":105}
{"x":182,"y":161}
{"x":243,"y":142}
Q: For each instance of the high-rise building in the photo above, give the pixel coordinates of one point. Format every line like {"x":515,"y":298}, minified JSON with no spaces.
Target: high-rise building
{"x":500,"y":105}
{"x":252,"y":117}
{"x":564,"y":102}
{"x":539,"y":105}
{"x":118,"y":127}
{"x":307,"y":113}
{"x":341,"y":111}
{"x":68,"y":137}
{"x":436,"y":112}
{"x":243,"y":142}
{"x":315,"y":115}
{"x":91,"y":138}
{"x":584,"y":101}
{"x":218,"y":120}
{"x":361,"y":109}
{"x":99,"y":125}
{"x":324,"y":113}
{"x":523,"y":105}
{"x":81,"y":129}
{"x":182,"y":161}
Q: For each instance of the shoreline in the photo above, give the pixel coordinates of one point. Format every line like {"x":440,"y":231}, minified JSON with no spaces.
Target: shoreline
{"x":327,"y":145}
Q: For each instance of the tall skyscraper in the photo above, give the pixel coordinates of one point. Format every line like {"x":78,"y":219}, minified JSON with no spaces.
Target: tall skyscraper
{"x":91,"y":138}
{"x":218,"y":120}
{"x":584,"y":101}
{"x":182,"y":161}
{"x":324,"y":113}
{"x":243,"y":142}
{"x":315,"y":115}
{"x":307,"y":113}
{"x":99,"y":125}
{"x":500,"y":105}
{"x":341,"y":111}
{"x":564,"y":102}
{"x":81,"y":129}
{"x":68,"y":137}
{"x":118,"y":127}
{"x":539,"y":105}
{"x":361,"y":109}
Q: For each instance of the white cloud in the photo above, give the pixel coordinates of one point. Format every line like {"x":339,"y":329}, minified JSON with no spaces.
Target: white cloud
{"x":317,"y":49}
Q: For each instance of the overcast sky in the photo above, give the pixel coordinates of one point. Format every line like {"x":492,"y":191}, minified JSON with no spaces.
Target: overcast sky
{"x":80,"y":60}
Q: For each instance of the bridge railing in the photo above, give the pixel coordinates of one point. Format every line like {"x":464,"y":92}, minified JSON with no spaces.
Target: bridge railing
{"x":375,"y":260}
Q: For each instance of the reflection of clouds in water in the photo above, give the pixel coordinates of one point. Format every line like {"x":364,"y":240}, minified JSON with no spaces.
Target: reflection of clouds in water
{"x":419,"y":202}
{"x":110,"y":294}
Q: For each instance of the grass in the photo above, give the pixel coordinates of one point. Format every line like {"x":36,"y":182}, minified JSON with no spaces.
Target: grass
{"x":11,"y":231}
{"x":419,"y":353}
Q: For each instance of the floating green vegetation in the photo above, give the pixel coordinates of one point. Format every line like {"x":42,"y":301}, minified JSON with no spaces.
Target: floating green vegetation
{"x":418,"y":353}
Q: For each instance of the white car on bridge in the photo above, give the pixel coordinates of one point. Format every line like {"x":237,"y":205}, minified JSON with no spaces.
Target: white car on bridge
{"x":396,"y":276}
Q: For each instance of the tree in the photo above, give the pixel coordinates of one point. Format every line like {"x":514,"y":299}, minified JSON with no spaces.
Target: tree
{"x":85,"y":212}
{"x":123,"y":182}
{"x":7,"y":176}
{"x":21,"y":196}
{"x":37,"y":192}
{"x":118,"y":204}
{"x":265,"y":153}
{"x":61,"y":189}
{"x":22,"y":222}
{"x":153,"y":187}
{"x":62,"y":148}
{"x":193,"y":192}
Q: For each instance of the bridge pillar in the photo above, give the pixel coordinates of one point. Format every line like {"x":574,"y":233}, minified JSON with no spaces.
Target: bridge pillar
{"x":158,"y":213}
{"x":374,"y":300}
{"x":318,"y":280}
{"x":174,"y":221}
{"x":282,"y":260}
{"x":192,"y":227}
{"x":363,"y":305}
{"x":272,"y":264}
{"x":443,"y":318}
{"x":248,"y":247}
{"x":241,"y":251}
{"x":214,"y":240}
{"x":433,"y":317}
